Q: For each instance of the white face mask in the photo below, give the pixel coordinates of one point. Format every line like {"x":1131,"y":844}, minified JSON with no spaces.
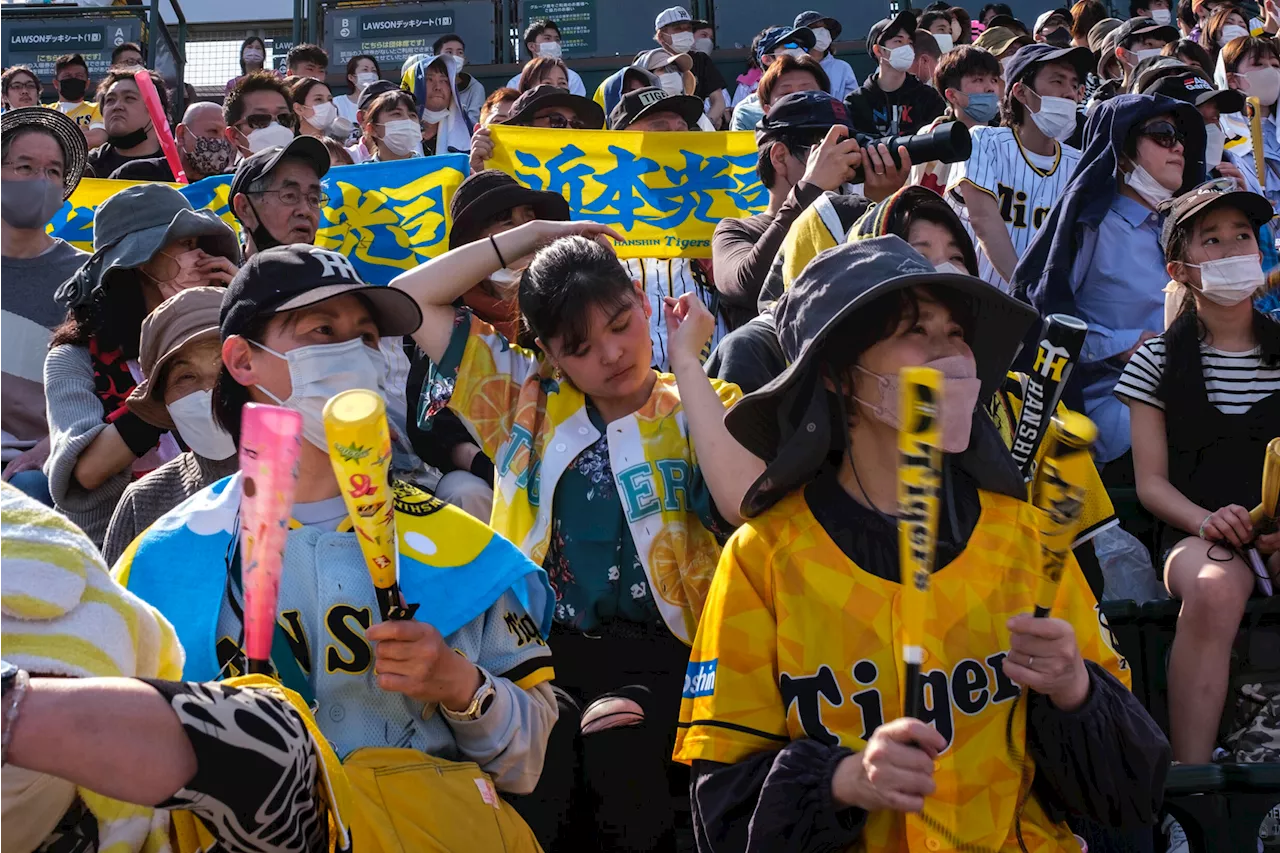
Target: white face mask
{"x":1230,"y":32}
{"x":549,"y":49}
{"x":944,"y":41}
{"x":1057,"y":117}
{"x":1139,"y":55}
{"x":682,"y":42}
{"x":672,"y":83}
{"x":900,"y":58}
{"x":506,"y":280}
{"x":403,"y":136}
{"x":1161,"y":16}
{"x":318,"y":372}
{"x":1215,"y":140}
{"x":704,"y":45}
{"x":269,"y":136}
{"x":822,"y":37}
{"x":1230,"y":281}
{"x":365,"y":79}
{"x":948,"y":267}
{"x":322,"y":115}
{"x":253,"y":55}
{"x":193,"y":416}
{"x":1264,"y":84}
{"x":33,"y":804}
{"x":435,"y":116}
{"x":1152,"y":191}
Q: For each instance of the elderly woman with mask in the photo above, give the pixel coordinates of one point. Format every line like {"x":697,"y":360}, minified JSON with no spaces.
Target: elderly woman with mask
{"x":149,"y":244}
{"x":180,"y":354}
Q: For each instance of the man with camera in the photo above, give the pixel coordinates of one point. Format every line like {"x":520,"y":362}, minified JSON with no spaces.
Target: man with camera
{"x":892,"y":102}
{"x":1016,"y":173}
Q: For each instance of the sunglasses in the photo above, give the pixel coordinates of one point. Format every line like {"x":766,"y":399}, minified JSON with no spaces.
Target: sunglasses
{"x":258,"y":122}
{"x":559,"y":122}
{"x":1164,"y":134}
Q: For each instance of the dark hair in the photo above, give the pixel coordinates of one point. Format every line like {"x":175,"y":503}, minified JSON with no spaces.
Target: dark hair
{"x":564,"y":282}
{"x":301,"y":87}
{"x":536,"y":67}
{"x":1190,"y":52}
{"x":355,"y":60}
{"x":998,"y":8}
{"x":26,"y":130}
{"x":943,"y":216}
{"x":1011,"y":109}
{"x":537,"y":28}
{"x":1216,"y":23}
{"x":928,"y":19}
{"x":1253,"y":49}
{"x":785,"y":64}
{"x":1086,"y":13}
{"x":497,"y":96}
{"x":389,"y":100}
{"x":252,"y":40}
{"x":966,"y":24}
{"x":115,"y":75}
{"x":13,"y":71}
{"x":960,"y":63}
{"x":312,"y":53}
{"x":1187,"y":14}
{"x":925,"y":44}
{"x":753,"y":58}
{"x":445,"y":39}
{"x":129,"y":45}
{"x":229,"y":396}
{"x":67,"y":60}
{"x":257,"y":81}
{"x":793,"y":140}
{"x":335,"y":149}
{"x":113,"y":316}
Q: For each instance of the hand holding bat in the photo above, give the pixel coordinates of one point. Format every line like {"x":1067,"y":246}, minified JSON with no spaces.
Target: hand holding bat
{"x":1059,"y":492}
{"x":1059,"y":350}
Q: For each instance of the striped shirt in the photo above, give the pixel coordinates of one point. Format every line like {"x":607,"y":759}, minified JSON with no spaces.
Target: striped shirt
{"x":1233,"y":380}
{"x":674,"y":277}
{"x":1025,"y":185}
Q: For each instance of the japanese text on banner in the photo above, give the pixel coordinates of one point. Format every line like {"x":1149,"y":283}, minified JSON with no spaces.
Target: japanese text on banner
{"x":386,"y":217}
{"x":664,"y":191}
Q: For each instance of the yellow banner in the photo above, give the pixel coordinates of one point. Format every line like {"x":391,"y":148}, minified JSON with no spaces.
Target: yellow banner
{"x":664,"y":191}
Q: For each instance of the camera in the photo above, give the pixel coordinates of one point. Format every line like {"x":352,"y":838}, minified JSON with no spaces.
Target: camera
{"x":947,"y":143}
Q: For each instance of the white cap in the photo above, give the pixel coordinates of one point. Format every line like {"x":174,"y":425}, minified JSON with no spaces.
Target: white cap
{"x":674,"y":15}
{"x":1044,"y":19}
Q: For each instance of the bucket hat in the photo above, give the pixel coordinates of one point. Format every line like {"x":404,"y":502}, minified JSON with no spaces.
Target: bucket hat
{"x":187,"y":316}
{"x":75,"y":151}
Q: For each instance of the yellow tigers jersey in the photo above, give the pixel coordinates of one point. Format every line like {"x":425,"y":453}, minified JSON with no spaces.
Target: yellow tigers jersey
{"x":85,"y":114}
{"x":1005,"y":407}
{"x":798,"y":642}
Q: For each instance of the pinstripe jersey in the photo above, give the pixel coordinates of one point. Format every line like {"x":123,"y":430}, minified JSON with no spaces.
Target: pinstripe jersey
{"x":674,"y":277}
{"x":1024,"y":189}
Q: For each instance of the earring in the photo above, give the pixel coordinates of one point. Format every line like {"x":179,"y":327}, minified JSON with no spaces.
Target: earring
{"x":558,"y":373}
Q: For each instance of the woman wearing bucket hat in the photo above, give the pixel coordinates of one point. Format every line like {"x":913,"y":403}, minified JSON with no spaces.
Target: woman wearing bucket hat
{"x":790,"y":712}
{"x":149,"y":244}
{"x":617,"y":479}
{"x":180,"y":356}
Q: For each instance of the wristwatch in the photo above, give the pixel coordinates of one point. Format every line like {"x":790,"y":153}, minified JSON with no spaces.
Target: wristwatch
{"x":479,"y":702}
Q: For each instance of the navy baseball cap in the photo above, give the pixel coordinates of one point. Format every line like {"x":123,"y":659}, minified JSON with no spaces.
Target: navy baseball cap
{"x":817,"y":19}
{"x":1188,"y":84}
{"x":373,"y":90}
{"x":776,"y":37}
{"x":888,"y":27}
{"x":305,"y":148}
{"x":802,"y":111}
{"x":1136,"y":28}
{"x":634,"y":106}
{"x":1031,"y":56}
{"x":286,"y":278}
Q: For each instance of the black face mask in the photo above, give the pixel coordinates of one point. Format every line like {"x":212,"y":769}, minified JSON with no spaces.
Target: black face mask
{"x":1061,"y":37}
{"x":262,"y":238}
{"x":72,"y":88}
{"x":128,"y":140}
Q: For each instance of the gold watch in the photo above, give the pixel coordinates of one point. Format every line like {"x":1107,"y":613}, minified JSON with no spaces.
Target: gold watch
{"x":479,"y":702}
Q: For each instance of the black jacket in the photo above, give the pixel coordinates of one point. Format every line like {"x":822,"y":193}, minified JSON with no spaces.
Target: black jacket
{"x":877,"y":113}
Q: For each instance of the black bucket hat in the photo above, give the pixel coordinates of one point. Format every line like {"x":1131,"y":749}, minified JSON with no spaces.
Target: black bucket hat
{"x":75,"y":151}
{"x":486,"y":194}
{"x":544,"y":95}
{"x":788,"y":422}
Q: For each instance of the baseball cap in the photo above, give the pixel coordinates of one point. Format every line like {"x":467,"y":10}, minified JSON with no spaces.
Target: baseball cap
{"x":372,"y":91}
{"x":1099,"y":31}
{"x":888,"y":27}
{"x":1135,"y":28}
{"x":997,"y":40}
{"x":1031,"y":56}
{"x":544,"y":95}
{"x":823,"y":301}
{"x":1045,"y":17}
{"x":286,"y":278}
{"x":817,"y":19}
{"x":490,"y":192}
{"x":187,"y":316}
{"x":674,"y":15}
{"x":1009,"y":22}
{"x":1188,"y":83}
{"x":1107,"y":53}
{"x":775,"y":37}
{"x":801,"y":111}
{"x":1220,"y":191}
{"x":660,"y":57}
{"x":305,"y":148}
{"x":634,"y":106}
{"x":75,"y":151}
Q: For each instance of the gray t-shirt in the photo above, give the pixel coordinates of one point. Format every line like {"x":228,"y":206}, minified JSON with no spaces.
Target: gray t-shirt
{"x":29,"y":313}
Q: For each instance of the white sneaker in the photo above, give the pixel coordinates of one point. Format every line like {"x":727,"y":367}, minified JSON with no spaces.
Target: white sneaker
{"x":1175,"y":838}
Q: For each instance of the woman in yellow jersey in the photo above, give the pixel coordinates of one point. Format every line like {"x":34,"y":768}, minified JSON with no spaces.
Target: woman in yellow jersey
{"x":792,"y":707}
{"x":620,"y":481}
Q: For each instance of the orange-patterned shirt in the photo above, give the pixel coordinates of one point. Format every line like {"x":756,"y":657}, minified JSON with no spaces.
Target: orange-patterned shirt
{"x":796,"y":641}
